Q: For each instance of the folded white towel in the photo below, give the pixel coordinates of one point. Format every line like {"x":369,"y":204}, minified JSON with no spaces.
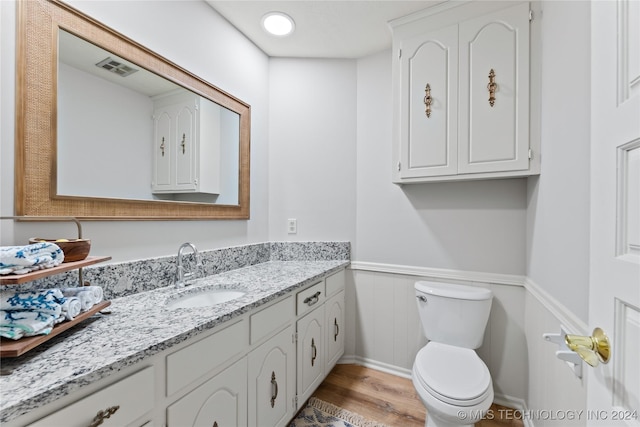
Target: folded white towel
{"x":71,"y":308}
{"x":88,"y":295}
{"x":96,"y":291}
{"x":43,"y":301}
{"x":25,"y":323}
{"x":24,"y":259}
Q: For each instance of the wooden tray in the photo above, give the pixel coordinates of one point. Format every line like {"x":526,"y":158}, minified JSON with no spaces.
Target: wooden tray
{"x":16,"y":279}
{"x":15,"y":348}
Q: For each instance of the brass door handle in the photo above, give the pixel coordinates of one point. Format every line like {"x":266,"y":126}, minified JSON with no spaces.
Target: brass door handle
{"x":593,"y":349}
{"x":428,"y":100}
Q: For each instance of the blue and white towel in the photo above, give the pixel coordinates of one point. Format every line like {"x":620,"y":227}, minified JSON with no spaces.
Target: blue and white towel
{"x":45,"y":301}
{"x":30,"y":313}
{"x":25,"y":323}
{"x":24,"y":259}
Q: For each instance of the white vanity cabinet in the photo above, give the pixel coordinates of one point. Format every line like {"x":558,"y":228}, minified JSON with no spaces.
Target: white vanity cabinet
{"x":221,"y":401}
{"x":461,"y":83}
{"x":118,"y":404}
{"x":186,"y":146}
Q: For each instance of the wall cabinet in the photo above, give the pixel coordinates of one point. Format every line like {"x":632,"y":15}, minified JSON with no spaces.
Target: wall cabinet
{"x":186,"y":146}
{"x":461,"y":79}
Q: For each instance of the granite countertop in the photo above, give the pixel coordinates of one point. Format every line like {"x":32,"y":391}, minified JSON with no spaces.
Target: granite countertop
{"x":140,"y":326}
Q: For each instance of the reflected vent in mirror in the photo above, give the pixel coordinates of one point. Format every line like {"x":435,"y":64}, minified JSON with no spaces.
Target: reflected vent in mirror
{"x":113,"y":66}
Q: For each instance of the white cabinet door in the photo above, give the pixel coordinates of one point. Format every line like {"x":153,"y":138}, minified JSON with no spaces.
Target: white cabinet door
{"x":494,"y":135}
{"x":334,"y":326}
{"x":429,"y":104}
{"x":220,"y":402}
{"x":310,"y":371}
{"x":185,"y":155}
{"x":162,"y":150}
{"x":272,"y":384}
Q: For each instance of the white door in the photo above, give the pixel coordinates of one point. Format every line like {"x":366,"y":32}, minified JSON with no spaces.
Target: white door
{"x":613,"y":389}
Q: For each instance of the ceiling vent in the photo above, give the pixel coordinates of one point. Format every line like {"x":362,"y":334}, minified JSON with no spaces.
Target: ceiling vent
{"x":113,"y":66}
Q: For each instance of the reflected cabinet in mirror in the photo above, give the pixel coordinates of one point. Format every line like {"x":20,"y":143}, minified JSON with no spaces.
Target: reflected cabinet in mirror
{"x":107,"y":129}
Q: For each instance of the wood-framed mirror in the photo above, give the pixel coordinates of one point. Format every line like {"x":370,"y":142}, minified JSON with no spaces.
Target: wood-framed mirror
{"x":53,"y":157}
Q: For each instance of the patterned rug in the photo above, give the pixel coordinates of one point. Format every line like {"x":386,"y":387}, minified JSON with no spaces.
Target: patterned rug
{"x":319,"y":413}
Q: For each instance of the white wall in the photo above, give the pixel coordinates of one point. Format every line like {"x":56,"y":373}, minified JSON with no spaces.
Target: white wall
{"x":193,"y":35}
{"x":558,"y":201}
{"x":312,"y":150}
{"x":472,"y":226}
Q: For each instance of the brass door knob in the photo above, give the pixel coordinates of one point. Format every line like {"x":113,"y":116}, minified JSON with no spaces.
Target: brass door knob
{"x":593,"y":349}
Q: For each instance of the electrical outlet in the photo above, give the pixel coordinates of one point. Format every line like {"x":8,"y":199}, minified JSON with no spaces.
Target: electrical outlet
{"x":292,"y":226}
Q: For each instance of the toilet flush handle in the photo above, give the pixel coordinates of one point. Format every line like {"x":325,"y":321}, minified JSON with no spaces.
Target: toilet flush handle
{"x":422,"y":298}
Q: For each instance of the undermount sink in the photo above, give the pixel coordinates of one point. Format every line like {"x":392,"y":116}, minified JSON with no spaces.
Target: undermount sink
{"x":205,"y":298}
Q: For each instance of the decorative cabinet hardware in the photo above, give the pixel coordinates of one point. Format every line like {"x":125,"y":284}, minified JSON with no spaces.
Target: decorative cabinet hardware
{"x":162,"y":146}
{"x":592,"y":349}
{"x":313,"y":299}
{"x":492,"y":87}
{"x":337,"y":329}
{"x":427,"y":100}
{"x":314,"y":352}
{"x":274,"y":389}
{"x":183,"y":144}
{"x":102,"y":415}
{"x":215,"y":424}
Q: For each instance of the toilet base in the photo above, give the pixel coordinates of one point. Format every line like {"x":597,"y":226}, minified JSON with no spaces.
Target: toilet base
{"x":436,"y":422}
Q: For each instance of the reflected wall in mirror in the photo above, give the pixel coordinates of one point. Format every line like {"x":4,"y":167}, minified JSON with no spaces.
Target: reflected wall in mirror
{"x":146,"y":140}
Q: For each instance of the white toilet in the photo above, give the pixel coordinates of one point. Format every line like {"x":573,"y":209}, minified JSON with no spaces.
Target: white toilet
{"x":453,"y":383}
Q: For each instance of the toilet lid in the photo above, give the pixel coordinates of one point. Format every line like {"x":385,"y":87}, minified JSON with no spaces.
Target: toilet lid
{"x":454,"y":375}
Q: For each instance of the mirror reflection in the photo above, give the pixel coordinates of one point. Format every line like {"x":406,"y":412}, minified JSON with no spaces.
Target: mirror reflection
{"x":126,"y":133}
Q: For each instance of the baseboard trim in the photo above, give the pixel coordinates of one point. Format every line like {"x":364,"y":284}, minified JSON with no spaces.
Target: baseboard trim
{"x":440,"y":273}
{"x":516,"y":403}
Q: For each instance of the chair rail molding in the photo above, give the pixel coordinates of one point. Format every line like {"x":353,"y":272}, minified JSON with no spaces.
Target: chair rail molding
{"x":441,"y":273}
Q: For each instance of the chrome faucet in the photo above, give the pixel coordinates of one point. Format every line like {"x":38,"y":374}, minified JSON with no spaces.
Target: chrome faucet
{"x":181,"y":276}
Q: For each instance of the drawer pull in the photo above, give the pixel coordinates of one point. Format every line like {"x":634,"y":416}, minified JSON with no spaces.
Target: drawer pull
{"x":337,"y":329}
{"x":215,"y":424}
{"x":102,"y":415}
{"x":314,"y":352}
{"x":428,"y":100}
{"x":274,"y":389}
{"x":312,"y":299}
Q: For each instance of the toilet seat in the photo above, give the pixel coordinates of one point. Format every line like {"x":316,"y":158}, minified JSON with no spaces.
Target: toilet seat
{"x":454,"y":375}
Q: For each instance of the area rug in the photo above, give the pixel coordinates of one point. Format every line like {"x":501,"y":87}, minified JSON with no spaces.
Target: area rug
{"x":319,"y":413}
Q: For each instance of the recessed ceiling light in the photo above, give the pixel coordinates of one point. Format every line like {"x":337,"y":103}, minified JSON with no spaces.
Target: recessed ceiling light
{"x":278,"y":23}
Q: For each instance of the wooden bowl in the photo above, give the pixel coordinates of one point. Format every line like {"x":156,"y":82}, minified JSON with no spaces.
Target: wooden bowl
{"x":74,"y":249}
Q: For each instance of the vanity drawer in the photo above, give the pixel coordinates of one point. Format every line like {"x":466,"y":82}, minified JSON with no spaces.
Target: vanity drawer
{"x":309,"y":298}
{"x":270,"y":319}
{"x":133,"y":397}
{"x":335,"y":283}
{"x":193,"y":362}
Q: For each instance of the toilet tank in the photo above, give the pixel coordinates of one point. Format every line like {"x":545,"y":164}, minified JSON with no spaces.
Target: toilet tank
{"x":453,"y":314}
